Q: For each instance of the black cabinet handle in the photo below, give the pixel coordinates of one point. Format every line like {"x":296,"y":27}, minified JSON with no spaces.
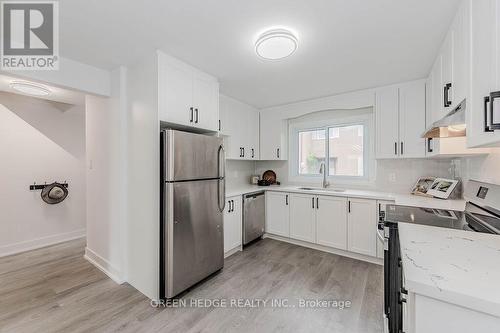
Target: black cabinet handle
{"x":446,"y":95}
{"x":232,"y":205}
{"x":317,"y":203}
{"x":286,"y":200}
{"x":312,"y":202}
{"x":487,"y":127}
{"x":395,"y":148}
{"x":493,"y":96}
{"x":349,"y":206}
{"x":197,"y":118}
{"x":429,"y":145}
{"x":253,"y":153}
{"x":219,"y":126}
{"x":402,"y":148}
{"x":191,"y":117}
{"x":243,"y":152}
{"x":278,"y":153}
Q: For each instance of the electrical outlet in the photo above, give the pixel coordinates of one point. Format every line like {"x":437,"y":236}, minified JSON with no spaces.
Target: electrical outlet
{"x":392,"y":177}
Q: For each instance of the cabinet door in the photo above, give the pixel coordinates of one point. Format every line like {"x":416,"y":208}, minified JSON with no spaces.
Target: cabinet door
{"x":331,"y":222}
{"x":412,"y":119}
{"x":232,"y":224}
{"x":303,"y":217}
{"x":447,"y":78}
{"x":387,"y":122}
{"x":483,"y":51}
{"x":437,"y":92}
{"x":461,"y":59}
{"x":273,"y":137}
{"x":206,"y":102}
{"x":362,"y":226}
{"x":175,"y":92}
{"x":277,"y":214}
{"x":252,"y":138}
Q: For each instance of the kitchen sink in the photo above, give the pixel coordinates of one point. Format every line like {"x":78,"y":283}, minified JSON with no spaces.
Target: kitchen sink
{"x":321,"y":189}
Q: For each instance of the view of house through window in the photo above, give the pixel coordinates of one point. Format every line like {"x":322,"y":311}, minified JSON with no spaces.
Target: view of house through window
{"x":343,"y":151}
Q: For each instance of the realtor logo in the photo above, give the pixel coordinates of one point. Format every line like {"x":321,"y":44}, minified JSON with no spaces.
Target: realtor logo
{"x":30,"y":35}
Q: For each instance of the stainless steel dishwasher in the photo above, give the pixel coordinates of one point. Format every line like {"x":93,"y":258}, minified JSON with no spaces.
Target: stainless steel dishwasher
{"x":254,"y":215}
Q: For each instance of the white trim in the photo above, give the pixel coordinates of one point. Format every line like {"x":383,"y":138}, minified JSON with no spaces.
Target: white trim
{"x":362,"y":257}
{"x":37,"y":243}
{"x":103,"y":265}
{"x":229,"y":253}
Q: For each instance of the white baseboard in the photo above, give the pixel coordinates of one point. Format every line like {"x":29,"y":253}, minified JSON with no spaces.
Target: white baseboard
{"x":348,"y":254}
{"x":103,"y":265}
{"x":37,"y":243}
{"x":233,"y":251}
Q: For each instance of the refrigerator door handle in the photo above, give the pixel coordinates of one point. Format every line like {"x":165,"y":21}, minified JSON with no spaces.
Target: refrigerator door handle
{"x":221,"y":169}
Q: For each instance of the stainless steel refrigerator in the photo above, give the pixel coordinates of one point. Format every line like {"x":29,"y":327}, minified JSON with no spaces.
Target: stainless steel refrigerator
{"x":192,"y":206}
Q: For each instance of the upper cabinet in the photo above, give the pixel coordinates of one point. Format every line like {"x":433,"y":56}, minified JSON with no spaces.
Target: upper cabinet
{"x":187,"y":96}
{"x":483,"y":109}
{"x":273,"y":137}
{"x":400,"y":113}
{"x":239,"y":123}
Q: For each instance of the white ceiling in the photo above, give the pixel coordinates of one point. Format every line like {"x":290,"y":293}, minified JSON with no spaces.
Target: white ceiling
{"x":344,"y":45}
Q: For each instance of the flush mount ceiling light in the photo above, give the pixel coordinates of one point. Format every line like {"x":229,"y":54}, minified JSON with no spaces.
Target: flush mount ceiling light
{"x":276,"y":44}
{"x":29,"y":88}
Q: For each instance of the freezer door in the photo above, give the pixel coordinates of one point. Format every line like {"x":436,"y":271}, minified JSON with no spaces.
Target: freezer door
{"x":190,"y":156}
{"x":193,"y":241}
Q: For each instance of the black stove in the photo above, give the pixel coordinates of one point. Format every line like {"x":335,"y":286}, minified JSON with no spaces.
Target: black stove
{"x":426,"y":216}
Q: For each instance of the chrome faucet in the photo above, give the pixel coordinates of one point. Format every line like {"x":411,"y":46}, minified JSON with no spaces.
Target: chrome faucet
{"x":322,"y":171}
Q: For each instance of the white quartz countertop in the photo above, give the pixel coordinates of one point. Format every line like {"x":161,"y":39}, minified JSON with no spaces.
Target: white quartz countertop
{"x":455,"y":266}
{"x":399,"y":199}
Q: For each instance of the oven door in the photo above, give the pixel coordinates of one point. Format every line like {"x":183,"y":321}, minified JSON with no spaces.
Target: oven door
{"x":392,"y":279}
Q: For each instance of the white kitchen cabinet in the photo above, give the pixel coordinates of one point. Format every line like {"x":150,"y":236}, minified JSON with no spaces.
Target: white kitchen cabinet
{"x":303,"y":217}
{"x":233,"y":223}
{"x":362,"y":226}
{"x":186,"y":96}
{"x":387,"y":103}
{"x":278,"y":213}
{"x":240,"y":127}
{"x":412,"y":119}
{"x":331,"y":222}
{"x":400,"y":113}
{"x":273,"y":137}
{"x":447,"y":84}
{"x":485,"y":68}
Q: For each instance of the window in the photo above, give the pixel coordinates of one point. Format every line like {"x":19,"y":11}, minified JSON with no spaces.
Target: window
{"x":343,"y":145}
{"x":346,"y":150}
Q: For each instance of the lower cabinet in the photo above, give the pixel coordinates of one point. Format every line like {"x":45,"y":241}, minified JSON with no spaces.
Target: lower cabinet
{"x":348,"y":224}
{"x":278,"y":213}
{"x":232,"y":223}
{"x":331,"y":222}
{"x":303,"y":217}
{"x":362,"y":227}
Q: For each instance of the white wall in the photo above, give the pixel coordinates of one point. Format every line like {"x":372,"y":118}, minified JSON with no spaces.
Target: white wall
{"x":107,"y":179}
{"x":143,"y":178}
{"x":238,"y":173}
{"x":485,"y":168}
{"x":40,"y":141}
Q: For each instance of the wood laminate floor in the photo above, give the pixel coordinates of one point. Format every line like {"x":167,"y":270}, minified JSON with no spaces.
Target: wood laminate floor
{"x":56,"y":290}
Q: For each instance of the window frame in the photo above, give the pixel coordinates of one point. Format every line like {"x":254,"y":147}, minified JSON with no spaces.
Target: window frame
{"x":369,"y":166}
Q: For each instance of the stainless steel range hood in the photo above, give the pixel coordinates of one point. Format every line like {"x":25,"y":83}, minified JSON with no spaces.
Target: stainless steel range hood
{"x":452,"y":125}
